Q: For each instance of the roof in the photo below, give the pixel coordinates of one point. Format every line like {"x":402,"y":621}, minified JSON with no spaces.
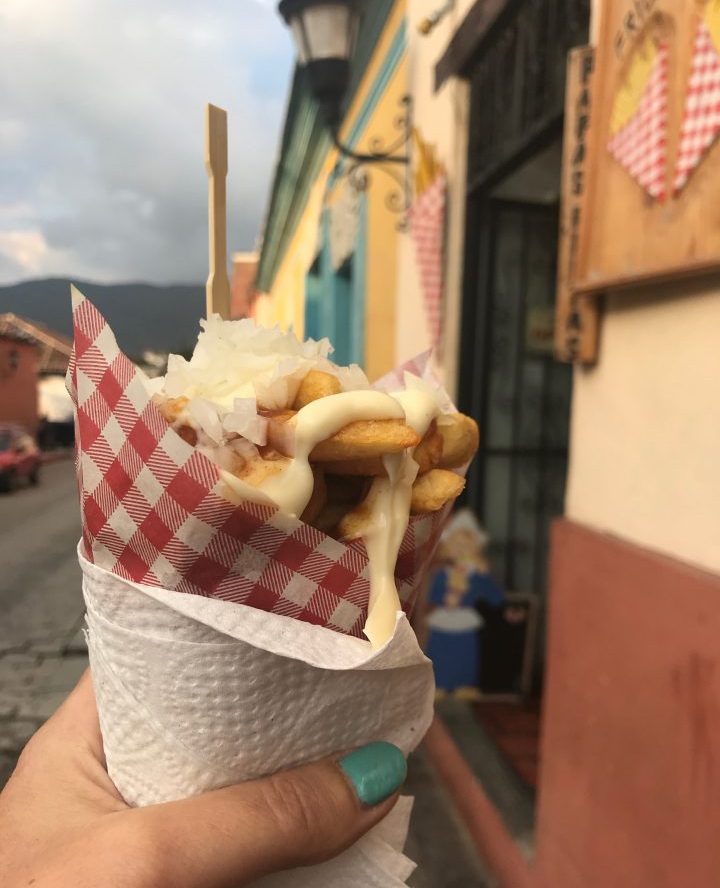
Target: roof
{"x":54,"y":348}
{"x":304,"y":146}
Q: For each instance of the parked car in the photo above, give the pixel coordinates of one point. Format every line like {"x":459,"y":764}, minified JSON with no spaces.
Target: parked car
{"x":19,"y":456}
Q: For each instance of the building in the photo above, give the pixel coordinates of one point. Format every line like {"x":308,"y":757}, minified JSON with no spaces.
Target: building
{"x":599,"y":486}
{"x":323,"y":234}
{"x":33,"y":364}
{"x":18,"y":380}
{"x":242,"y":285}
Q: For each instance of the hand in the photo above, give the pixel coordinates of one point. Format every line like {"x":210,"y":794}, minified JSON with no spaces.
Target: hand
{"x":64,"y":825}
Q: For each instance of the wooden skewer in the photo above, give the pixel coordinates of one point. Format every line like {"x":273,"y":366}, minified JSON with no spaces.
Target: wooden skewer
{"x":216,"y":164}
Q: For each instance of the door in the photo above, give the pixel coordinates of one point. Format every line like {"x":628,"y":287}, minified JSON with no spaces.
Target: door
{"x":520,"y":395}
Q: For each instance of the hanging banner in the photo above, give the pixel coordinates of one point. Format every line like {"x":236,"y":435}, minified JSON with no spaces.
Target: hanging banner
{"x":427,"y":229}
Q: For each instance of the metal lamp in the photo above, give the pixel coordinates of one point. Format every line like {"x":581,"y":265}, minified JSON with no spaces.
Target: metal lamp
{"x":325,"y":32}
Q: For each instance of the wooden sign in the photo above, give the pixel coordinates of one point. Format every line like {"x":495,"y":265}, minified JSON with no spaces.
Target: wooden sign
{"x":576,"y":315}
{"x":651,"y":204}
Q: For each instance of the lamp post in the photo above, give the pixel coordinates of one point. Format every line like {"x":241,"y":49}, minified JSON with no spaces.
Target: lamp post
{"x":325,"y":34}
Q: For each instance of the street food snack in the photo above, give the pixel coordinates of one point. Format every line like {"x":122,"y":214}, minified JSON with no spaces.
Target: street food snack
{"x":279,"y":416}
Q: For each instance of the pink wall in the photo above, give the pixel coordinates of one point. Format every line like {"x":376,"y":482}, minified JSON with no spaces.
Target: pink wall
{"x":630,"y":778}
{"x":18,"y":387}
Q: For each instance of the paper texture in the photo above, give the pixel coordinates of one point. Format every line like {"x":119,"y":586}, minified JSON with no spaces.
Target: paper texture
{"x":195,"y":693}
{"x":156,"y":511}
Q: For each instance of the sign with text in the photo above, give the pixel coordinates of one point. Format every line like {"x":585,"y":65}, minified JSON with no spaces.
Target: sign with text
{"x":575,"y":315}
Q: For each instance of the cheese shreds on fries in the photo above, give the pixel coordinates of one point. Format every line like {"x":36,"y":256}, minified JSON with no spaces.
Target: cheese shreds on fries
{"x":314,"y":438}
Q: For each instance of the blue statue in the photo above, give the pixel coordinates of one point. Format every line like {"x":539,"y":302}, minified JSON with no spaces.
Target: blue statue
{"x":458,"y":588}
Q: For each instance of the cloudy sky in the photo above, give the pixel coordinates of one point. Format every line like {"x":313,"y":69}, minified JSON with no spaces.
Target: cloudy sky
{"x":101,"y":132}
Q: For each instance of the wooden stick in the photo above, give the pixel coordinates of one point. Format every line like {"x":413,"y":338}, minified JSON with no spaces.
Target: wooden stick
{"x":216,"y":164}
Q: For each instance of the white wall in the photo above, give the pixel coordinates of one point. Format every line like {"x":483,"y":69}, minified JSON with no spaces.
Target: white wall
{"x":645,"y":440}
{"x":441,"y":118}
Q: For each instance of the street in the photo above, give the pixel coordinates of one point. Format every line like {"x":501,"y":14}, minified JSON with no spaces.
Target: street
{"x":43,"y":653}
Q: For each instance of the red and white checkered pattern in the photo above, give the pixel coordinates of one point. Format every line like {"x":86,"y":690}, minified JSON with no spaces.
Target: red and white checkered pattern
{"x":641,"y":144}
{"x":154,"y":511}
{"x":427,"y":226}
{"x":701,"y":121}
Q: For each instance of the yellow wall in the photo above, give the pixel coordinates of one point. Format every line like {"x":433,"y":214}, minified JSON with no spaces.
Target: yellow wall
{"x":287,"y":296}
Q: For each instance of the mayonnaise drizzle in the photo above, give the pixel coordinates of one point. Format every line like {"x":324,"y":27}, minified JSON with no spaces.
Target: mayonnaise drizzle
{"x":292,"y":488}
{"x":390,"y":513}
{"x":389,"y":496}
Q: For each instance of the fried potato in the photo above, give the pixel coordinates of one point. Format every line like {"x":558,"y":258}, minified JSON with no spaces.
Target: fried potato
{"x":429,"y":451}
{"x":358,"y":440}
{"x":317,"y":500}
{"x":461,"y":438}
{"x":171,"y":408}
{"x":434,"y":490}
{"x":256,"y":471}
{"x":366,"y":438}
{"x":427,"y":455}
{"x":314,"y":386}
{"x":354,"y":524}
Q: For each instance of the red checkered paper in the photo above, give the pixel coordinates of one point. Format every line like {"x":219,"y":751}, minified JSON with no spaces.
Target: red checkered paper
{"x":427,"y":225}
{"x":155,"y":511}
{"x":640,"y":145}
{"x":701,"y":121}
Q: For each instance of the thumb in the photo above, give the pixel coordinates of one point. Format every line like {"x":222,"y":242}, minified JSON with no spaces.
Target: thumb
{"x":231,"y":836}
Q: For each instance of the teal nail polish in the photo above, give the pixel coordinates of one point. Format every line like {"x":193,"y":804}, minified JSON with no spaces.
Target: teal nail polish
{"x":376,"y":771}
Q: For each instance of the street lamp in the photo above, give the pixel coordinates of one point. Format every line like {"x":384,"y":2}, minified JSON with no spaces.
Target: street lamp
{"x":325,"y":34}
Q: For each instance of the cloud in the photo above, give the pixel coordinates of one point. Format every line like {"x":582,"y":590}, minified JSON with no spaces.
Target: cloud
{"x":101,"y":132}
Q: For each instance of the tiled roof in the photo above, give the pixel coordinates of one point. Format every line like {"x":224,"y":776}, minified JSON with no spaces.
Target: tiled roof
{"x":54,"y":348}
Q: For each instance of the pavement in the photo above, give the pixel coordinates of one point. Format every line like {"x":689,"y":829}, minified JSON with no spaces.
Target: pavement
{"x":43,"y":653}
{"x":42,"y":650}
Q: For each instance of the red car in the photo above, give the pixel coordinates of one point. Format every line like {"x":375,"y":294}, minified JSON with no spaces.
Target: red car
{"x":19,"y":456}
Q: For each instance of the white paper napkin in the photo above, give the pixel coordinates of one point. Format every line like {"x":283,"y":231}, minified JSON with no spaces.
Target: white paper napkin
{"x":195,"y":693}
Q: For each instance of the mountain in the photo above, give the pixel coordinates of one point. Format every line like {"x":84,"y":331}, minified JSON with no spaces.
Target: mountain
{"x":143,"y":316}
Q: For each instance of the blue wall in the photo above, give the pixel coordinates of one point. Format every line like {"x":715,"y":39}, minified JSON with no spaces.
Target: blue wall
{"x":335,"y":299}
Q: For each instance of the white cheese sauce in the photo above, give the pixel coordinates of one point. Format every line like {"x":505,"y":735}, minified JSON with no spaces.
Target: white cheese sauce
{"x":389,"y":496}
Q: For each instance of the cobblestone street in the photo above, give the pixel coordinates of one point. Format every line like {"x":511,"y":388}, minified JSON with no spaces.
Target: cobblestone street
{"x":42,"y":649}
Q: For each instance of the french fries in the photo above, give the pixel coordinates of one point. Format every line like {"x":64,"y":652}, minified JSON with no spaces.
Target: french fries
{"x":317,"y":501}
{"x":460,"y":440}
{"x":256,"y":471}
{"x":354,"y":524}
{"x":348,"y":467}
{"x":429,"y":451}
{"x":314,"y":386}
{"x":433,"y":491}
{"x":358,"y":440}
{"x":427,"y":455}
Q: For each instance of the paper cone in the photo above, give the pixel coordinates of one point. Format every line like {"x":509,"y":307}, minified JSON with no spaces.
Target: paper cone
{"x":156,"y":511}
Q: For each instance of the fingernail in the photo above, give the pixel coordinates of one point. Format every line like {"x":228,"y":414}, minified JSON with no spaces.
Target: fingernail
{"x":376,"y":771}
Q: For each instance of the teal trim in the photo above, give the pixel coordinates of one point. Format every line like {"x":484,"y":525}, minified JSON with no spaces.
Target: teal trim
{"x":305,"y":142}
{"x":335,"y":299}
{"x":313,"y":303}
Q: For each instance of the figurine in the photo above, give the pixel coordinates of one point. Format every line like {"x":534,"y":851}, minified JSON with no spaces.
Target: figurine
{"x":461,"y":582}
